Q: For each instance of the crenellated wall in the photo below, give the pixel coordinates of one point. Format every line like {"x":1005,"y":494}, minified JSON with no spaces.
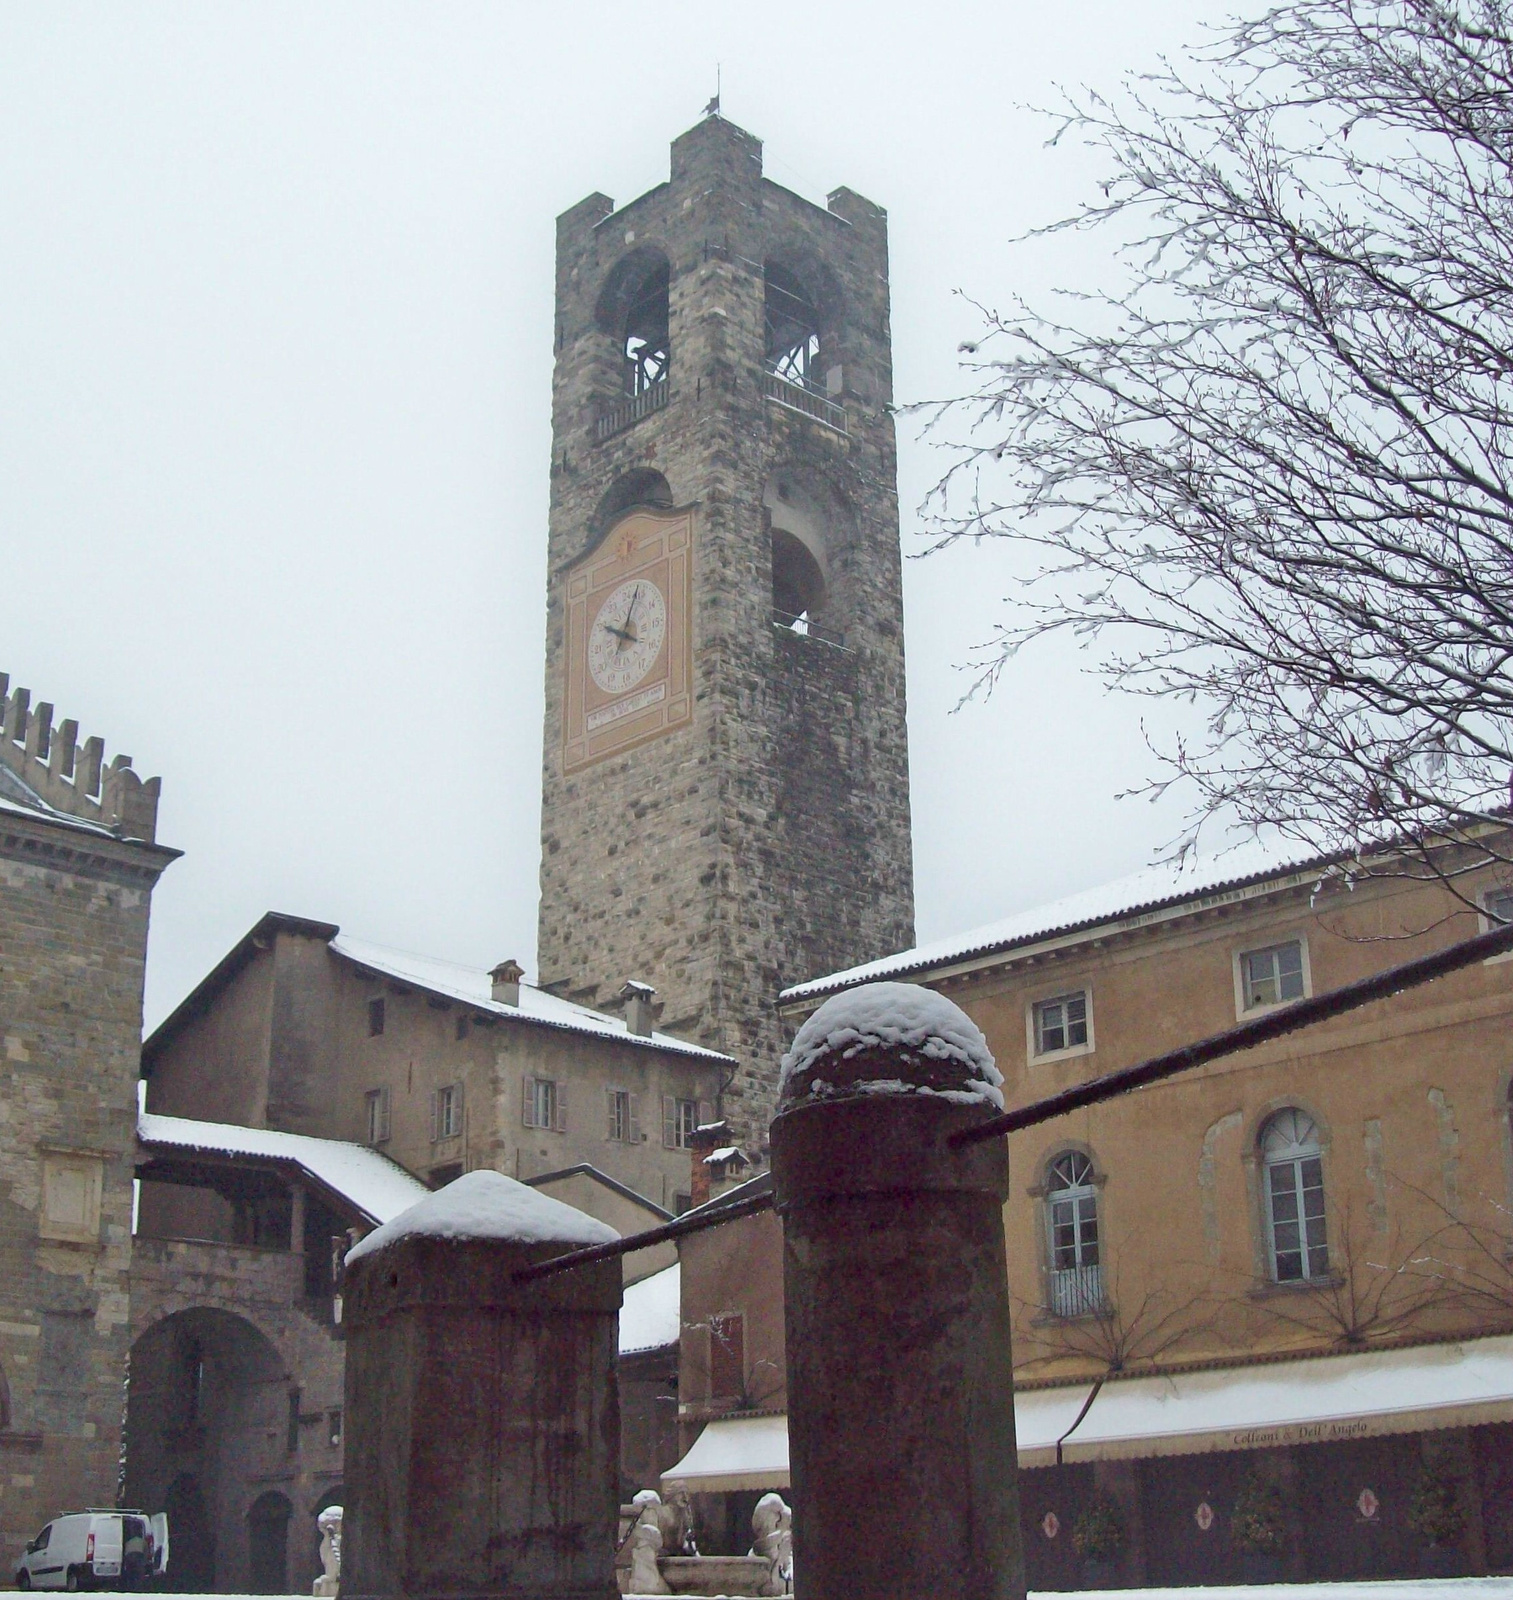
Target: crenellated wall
{"x":71,"y":776}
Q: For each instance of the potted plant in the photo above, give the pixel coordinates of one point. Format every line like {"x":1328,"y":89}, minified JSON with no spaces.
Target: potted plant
{"x":1436,"y":1514}
{"x":1258,"y":1527}
{"x":1098,"y":1537}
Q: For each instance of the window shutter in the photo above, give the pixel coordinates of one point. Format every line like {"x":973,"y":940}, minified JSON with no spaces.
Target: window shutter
{"x":561,"y":1098}
{"x":434,"y":1129}
{"x":528,"y":1102}
{"x":635,"y":1119}
{"x":611,"y":1130}
{"x":383,"y":1114}
{"x":706,"y":1113}
{"x":459,"y":1109}
{"x":669,"y":1122}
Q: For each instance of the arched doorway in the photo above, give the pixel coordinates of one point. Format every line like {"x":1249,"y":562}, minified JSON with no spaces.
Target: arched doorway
{"x":268,"y":1543}
{"x":206,"y":1414}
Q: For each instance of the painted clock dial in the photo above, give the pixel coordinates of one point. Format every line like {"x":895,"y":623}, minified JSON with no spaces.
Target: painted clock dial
{"x":626,"y":636}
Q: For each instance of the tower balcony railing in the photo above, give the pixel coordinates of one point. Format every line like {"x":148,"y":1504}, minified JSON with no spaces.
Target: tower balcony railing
{"x":630,"y":411}
{"x":1077,"y":1292}
{"x":796,"y":397}
{"x":802,"y":628}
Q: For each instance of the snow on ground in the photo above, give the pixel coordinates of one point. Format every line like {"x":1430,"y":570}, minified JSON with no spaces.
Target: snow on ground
{"x":1375,"y":1589}
{"x":488,"y":1205}
{"x":650,"y":1316}
{"x":377,"y":1186}
{"x":892,"y":1016}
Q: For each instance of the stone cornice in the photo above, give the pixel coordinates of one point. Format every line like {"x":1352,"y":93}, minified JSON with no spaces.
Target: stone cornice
{"x":64,"y":847}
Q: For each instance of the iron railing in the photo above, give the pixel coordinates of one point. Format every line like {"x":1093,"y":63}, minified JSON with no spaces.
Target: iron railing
{"x":630,"y":411}
{"x":795,"y":397}
{"x":1076,"y":1291}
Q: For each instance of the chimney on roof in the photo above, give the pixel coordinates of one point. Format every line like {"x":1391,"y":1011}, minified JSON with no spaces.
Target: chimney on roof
{"x":504,"y":982}
{"x":711,"y":1153}
{"x":638,"y":998}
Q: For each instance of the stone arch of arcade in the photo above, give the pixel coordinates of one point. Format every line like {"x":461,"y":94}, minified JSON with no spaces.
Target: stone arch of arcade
{"x":218,"y":1433}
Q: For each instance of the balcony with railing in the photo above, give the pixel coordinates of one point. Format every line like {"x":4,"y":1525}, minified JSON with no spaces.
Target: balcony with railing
{"x":1077,"y":1292}
{"x":630,"y":411}
{"x":801,"y":398}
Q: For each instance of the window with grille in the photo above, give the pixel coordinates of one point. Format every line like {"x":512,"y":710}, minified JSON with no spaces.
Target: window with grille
{"x":1061,"y":1023}
{"x":679,"y":1119}
{"x":544,"y":1104}
{"x":624,"y":1120}
{"x":1071,"y":1207}
{"x":1271,"y":976}
{"x":376,"y":1107}
{"x":1294,"y":1167}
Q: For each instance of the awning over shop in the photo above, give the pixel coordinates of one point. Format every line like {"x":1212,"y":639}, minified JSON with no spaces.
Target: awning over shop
{"x":734,"y":1453}
{"x":1318,"y":1401}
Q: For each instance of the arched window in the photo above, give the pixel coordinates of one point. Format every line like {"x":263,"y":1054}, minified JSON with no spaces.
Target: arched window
{"x":1294,"y":1168}
{"x":1071,"y":1213}
{"x":646,"y":347}
{"x":793,"y":329}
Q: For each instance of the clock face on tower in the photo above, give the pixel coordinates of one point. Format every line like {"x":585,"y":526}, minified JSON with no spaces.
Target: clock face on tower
{"x":628,"y":659}
{"x":626,"y":637}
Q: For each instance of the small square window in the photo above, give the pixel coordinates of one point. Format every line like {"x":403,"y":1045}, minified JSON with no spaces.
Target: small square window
{"x":375,"y":1016}
{"x":1061,"y":1023}
{"x":462,"y":1027}
{"x":1272,"y":976}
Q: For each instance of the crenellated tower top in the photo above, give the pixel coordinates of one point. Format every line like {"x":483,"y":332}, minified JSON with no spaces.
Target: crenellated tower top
{"x":72,"y":777}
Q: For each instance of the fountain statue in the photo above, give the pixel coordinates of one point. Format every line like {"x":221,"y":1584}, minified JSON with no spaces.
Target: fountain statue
{"x":329,"y":1523}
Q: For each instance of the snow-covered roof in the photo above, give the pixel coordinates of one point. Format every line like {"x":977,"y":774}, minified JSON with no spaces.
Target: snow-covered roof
{"x":472,"y":986}
{"x":651,"y":1316}
{"x":488,"y":1205}
{"x":943,"y":1050}
{"x":379,"y":1188}
{"x":1253,"y":865}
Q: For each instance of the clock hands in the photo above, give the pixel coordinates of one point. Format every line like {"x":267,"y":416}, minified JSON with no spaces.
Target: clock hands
{"x":624,"y":633}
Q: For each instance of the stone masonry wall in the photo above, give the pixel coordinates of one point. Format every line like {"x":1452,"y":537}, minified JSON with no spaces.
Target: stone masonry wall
{"x":769,"y":840}
{"x":73,"y":936}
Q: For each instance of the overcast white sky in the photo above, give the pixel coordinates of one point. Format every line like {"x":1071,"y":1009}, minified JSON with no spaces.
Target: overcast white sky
{"x":275,"y":334}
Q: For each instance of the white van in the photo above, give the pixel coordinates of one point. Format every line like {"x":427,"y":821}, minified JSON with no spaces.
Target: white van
{"x":96,"y":1549}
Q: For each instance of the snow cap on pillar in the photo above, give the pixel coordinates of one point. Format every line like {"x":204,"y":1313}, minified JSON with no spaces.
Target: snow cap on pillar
{"x":889,"y":1038}
{"x":487,"y":1205}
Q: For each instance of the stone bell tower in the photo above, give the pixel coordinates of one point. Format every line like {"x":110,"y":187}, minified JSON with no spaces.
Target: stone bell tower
{"x":726,"y":778}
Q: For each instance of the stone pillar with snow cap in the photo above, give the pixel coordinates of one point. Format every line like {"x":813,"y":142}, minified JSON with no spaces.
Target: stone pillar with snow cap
{"x":482,"y":1416}
{"x":900,"y":1374}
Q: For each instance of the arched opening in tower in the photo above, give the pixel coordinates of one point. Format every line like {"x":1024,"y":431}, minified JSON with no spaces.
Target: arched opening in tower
{"x":793,"y":329}
{"x":646,"y":346}
{"x":799,"y":540}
